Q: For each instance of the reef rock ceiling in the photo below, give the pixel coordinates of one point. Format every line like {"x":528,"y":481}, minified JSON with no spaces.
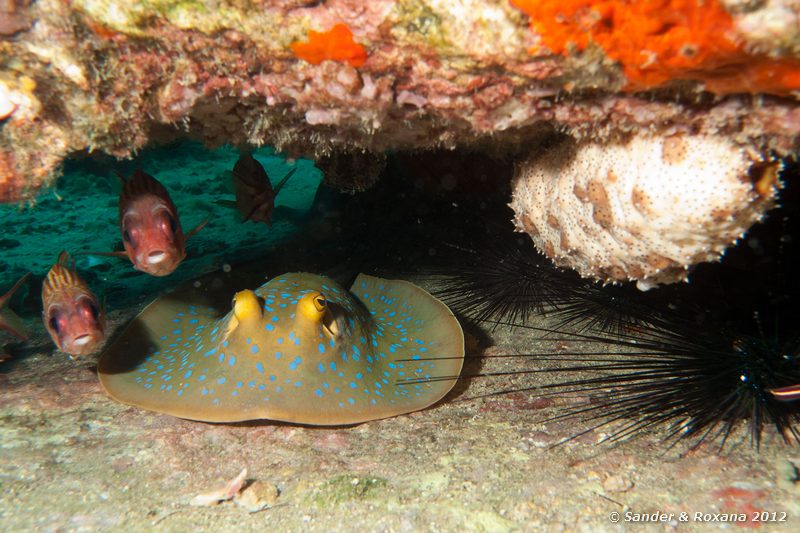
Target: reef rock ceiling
{"x":344,"y":81}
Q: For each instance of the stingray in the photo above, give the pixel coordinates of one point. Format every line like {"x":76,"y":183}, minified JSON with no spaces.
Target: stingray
{"x":299,"y":349}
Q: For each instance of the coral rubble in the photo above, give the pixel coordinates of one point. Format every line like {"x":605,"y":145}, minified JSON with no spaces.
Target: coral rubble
{"x":645,"y":209}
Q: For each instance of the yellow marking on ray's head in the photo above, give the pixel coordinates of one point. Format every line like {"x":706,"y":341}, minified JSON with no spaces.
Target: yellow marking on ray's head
{"x":246,"y":306}
{"x":246,"y":309}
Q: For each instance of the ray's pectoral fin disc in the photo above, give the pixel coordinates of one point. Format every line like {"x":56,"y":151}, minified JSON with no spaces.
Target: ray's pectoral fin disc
{"x":298,"y":349}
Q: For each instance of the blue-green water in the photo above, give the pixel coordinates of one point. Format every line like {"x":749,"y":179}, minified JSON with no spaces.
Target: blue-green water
{"x":80,"y":214}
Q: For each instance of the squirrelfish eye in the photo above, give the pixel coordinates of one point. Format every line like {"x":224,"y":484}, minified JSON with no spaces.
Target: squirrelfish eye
{"x":93,"y":309}
{"x":54,"y":324}
{"x":126,"y":236}
{"x":173,"y":225}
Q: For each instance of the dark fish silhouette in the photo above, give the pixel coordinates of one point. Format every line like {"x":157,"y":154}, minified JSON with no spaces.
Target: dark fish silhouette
{"x":255,"y":196}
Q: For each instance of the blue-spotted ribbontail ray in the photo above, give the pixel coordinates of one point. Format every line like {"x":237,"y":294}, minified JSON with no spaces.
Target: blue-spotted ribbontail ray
{"x":298,"y":349}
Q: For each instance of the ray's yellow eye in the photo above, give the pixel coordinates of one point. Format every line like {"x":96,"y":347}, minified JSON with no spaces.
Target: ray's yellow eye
{"x":312,"y":306}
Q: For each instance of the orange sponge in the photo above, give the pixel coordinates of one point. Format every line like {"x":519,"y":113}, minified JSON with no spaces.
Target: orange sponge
{"x":661,"y":40}
{"x":336,"y":44}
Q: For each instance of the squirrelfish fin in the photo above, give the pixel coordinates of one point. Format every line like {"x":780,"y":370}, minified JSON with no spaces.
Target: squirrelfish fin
{"x":120,"y":176}
{"x":230,"y":204}
{"x":281,"y":183}
{"x":65,"y":260}
{"x":195,"y":230}
{"x":120,"y":254}
{"x":9,"y":321}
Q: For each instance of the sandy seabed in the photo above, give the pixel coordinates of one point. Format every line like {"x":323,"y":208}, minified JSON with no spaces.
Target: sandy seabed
{"x":74,"y":460}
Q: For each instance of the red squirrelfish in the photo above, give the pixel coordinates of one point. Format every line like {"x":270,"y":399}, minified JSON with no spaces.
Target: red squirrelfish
{"x":151,"y":231}
{"x":72,"y":316}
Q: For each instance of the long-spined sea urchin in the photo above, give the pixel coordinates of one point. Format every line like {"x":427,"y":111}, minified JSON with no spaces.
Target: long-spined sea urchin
{"x":694,"y":361}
